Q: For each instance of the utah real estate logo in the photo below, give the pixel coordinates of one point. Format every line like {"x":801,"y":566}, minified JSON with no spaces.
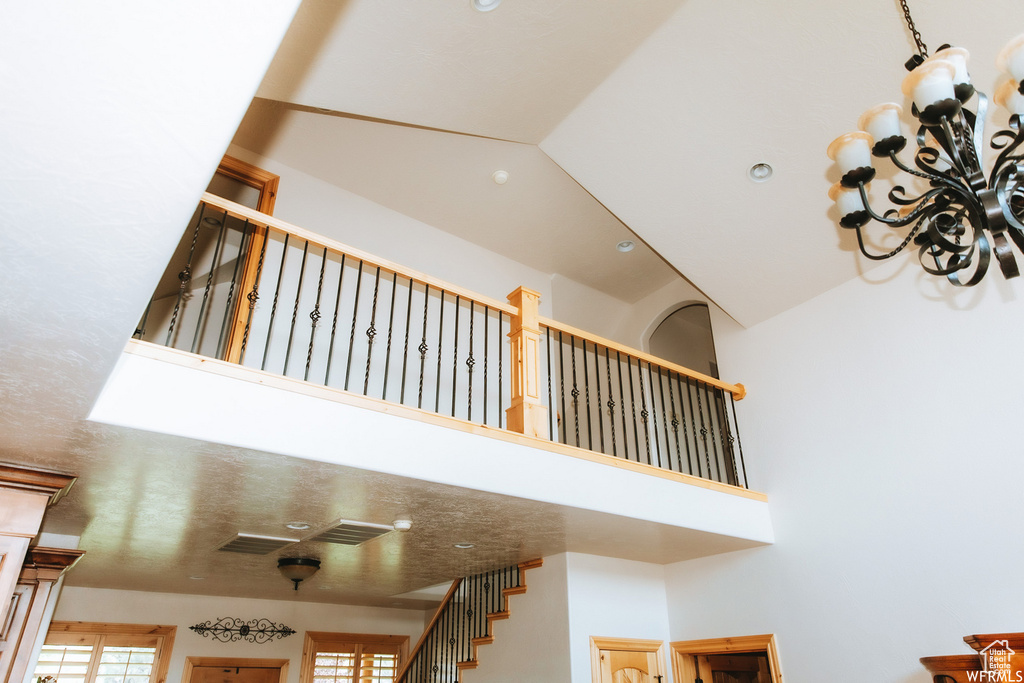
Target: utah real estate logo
{"x":996,"y":663}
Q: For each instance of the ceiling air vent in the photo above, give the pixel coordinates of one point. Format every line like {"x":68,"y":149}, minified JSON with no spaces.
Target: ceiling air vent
{"x":347,"y":532}
{"x":251,"y":544}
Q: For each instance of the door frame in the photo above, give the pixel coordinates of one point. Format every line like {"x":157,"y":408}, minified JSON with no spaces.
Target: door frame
{"x":239,"y":662}
{"x":630,"y":644}
{"x":684,"y":650}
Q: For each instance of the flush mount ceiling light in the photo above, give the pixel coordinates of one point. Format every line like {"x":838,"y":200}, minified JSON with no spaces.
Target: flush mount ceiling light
{"x":299,"y":526}
{"x":625,"y":245}
{"x":464,"y":546}
{"x":958,"y":218}
{"x":485,"y":5}
{"x":402,"y":524}
{"x":298,"y":569}
{"x":500,"y":177}
{"x":761,"y":172}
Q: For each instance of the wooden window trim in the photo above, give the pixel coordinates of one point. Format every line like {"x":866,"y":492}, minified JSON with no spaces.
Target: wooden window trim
{"x":636,"y":645}
{"x":164,"y":635}
{"x":683,"y":651}
{"x":318,"y":639}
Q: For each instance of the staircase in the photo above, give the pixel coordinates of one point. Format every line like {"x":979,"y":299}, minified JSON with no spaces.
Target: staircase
{"x":462,"y":624}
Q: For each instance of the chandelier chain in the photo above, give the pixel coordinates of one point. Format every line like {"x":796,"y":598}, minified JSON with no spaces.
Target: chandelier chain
{"x":922,"y":49}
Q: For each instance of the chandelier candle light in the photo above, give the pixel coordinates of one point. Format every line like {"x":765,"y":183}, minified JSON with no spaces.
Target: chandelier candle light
{"x":964,"y":217}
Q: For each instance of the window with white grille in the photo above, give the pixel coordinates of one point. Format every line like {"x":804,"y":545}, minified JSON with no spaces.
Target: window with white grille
{"x":84,"y":652}
{"x":352,"y":657}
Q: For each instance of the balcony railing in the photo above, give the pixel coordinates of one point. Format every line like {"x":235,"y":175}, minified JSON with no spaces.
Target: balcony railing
{"x":250,"y":289}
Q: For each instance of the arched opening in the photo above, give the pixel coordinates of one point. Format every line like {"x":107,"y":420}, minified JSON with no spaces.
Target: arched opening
{"x":685,"y":338}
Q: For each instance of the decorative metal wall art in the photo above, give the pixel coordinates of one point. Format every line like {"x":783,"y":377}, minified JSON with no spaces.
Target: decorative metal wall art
{"x":233,"y":629}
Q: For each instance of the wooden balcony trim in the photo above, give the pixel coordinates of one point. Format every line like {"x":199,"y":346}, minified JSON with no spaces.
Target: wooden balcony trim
{"x":263,"y":219}
{"x":225,"y":369}
{"x":737,"y":390}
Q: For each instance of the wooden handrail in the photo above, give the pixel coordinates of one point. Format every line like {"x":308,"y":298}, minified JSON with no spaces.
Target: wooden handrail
{"x":426,"y":632}
{"x":738,"y":391}
{"x":262,"y":219}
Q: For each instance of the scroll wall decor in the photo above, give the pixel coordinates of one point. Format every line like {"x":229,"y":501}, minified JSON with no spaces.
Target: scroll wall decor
{"x":233,"y":629}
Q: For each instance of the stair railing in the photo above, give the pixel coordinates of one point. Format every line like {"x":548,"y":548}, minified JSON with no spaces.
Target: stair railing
{"x":251,"y":289}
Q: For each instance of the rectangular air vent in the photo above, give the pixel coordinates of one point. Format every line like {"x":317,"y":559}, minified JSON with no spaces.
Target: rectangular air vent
{"x":251,"y":544}
{"x":347,"y":532}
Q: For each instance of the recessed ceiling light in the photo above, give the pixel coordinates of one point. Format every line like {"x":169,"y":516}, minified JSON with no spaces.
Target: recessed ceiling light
{"x":299,"y":526}
{"x":500,"y":177}
{"x":760,"y":172}
{"x":485,"y":5}
{"x":198,"y":578}
{"x":625,"y":245}
{"x":464,"y":546}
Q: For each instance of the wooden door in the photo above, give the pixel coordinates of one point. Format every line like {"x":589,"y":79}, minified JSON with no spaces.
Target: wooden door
{"x":234,"y":670}
{"x":626,"y":661}
{"x":238,"y":674}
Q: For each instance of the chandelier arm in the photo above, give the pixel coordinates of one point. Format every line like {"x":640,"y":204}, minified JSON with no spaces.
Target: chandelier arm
{"x":910,"y":169}
{"x":882,"y":257}
{"x":1000,"y":184}
{"x":978,"y":128}
{"x":953,"y":182}
{"x":1006,"y":155}
{"x":923,"y":204}
{"x":958,"y":153}
{"x":958,"y":262}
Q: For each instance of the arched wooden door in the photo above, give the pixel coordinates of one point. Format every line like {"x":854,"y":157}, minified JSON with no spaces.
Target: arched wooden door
{"x":621,"y":660}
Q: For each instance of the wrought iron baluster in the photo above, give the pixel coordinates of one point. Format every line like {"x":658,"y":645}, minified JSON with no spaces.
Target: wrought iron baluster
{"x":561,"y":384}
{"x":693,"y":429}
{"x":586,"y":393}
{"x":314,"y":315}
{"x":575,"y":389}
{"x":423,"y":348}
{"x":229,"y":309}
{"x":440,"y":332}
{"x":600,"y":405}
{"x":295,"y":309}
{"x":470,"y":362}
{"x":487,"y":317}
{"x":703,"y":430}
{"x":391,"y":328}
{"x":273,"y":308}
{"x":214,"y":262}
{"x":644,"y":414}
{"x":501,"y":353}
{"x":334,"y":322}
{"x":455,"y":354}
{"x":675,"y":422}
{"x":632,"y":405}
{"x":552,"y":429}
{"x":712,"y":413}
{"x":405,"y":349}
{"x":371,"y":332}
{"x":654,"y":412}
{"x":252,"y":297}
{"x":728,"y":441}
{"x":352,"y":331}
{"x":185,"y":276}
{"x":140,"y":331}
{"x":611,"y":398}
{"x":738,"y":441}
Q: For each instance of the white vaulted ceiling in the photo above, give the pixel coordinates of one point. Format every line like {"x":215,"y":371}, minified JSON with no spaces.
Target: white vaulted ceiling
{"x":656,"y":109}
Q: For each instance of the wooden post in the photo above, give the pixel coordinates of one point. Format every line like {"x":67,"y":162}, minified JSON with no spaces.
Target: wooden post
{"x":526,"y":414}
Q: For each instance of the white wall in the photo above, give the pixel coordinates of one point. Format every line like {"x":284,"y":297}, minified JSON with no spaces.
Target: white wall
{"x":358,"y":222}
{"x":96,"y":604}
{"x":533,"y":641}
{"x":882,"y":423}
{"x":612,"y":598}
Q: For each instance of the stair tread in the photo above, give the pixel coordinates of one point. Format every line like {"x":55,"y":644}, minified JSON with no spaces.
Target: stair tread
{"x":499,"y":615}
{"x":467,"y":664}
{"x":514,"y":590}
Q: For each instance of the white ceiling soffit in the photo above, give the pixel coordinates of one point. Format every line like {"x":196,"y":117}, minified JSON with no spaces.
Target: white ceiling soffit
{"x":442,"y":64}
{"x":723,"y":85}
{"x":540,"y":217}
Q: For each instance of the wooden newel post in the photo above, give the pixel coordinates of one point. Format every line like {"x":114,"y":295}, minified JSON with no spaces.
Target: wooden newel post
{"x":526,"y":414}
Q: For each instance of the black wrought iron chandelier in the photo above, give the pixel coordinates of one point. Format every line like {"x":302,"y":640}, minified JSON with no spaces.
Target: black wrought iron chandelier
{"x":964,"y":217}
